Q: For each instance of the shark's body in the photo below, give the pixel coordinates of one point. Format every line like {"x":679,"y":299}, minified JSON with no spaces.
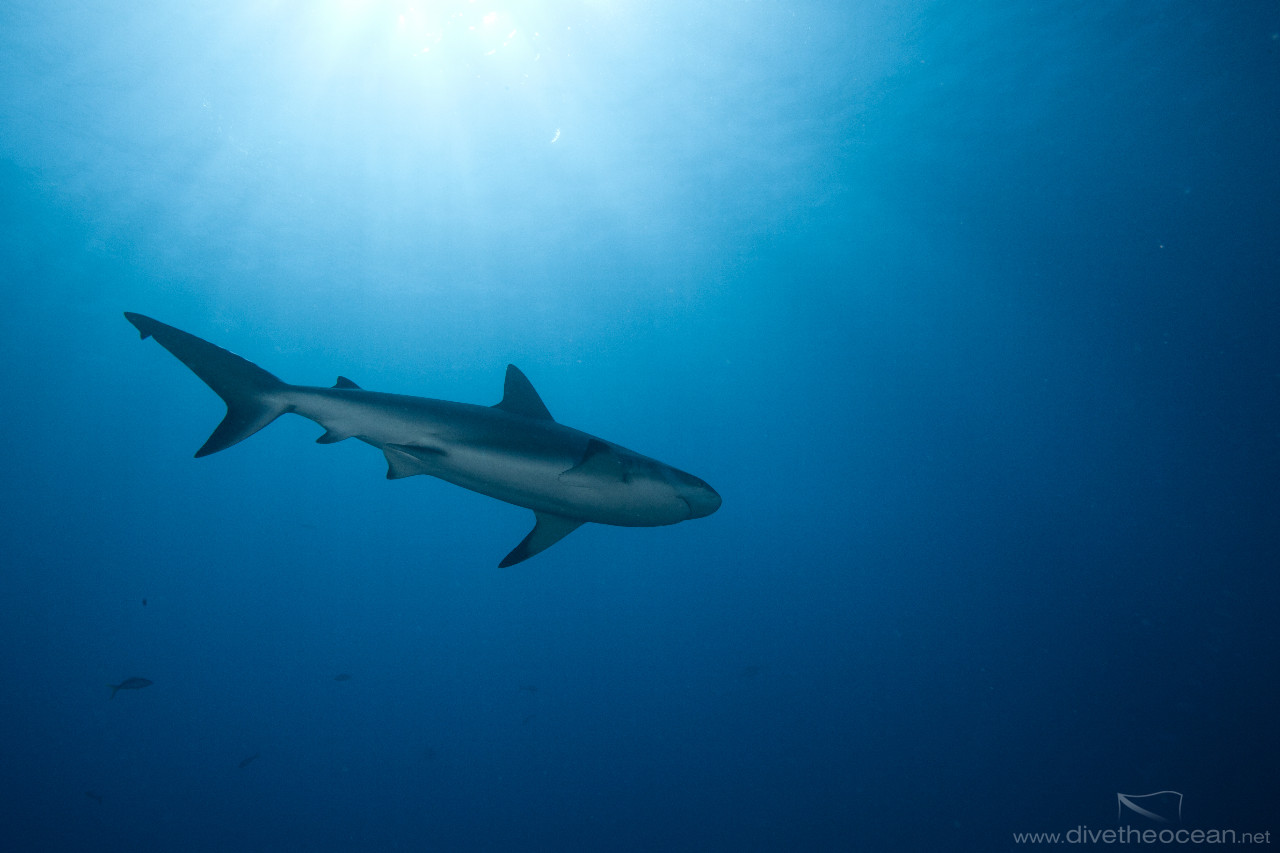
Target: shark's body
{"x":513,"y":451}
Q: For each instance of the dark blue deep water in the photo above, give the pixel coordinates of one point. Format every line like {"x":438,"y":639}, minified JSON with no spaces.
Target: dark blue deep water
{"x":969,"y":310}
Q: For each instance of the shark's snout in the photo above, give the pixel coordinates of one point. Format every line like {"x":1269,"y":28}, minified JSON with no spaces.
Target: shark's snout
{"x":701,"y":498}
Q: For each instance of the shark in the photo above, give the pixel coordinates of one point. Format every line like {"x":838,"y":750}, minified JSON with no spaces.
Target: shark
{"x":513,"y":451}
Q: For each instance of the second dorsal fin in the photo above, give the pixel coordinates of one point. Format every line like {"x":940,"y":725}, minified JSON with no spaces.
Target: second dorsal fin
{"x":519,"y":398}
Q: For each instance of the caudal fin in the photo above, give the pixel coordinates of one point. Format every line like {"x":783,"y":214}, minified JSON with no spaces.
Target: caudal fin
{"x":251,"y":393}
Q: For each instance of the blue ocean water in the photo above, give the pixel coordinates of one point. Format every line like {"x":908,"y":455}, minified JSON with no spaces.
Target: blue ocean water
{"x":968,"y":311}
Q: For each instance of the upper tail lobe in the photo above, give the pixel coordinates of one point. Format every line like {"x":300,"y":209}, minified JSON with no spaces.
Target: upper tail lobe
{"x":251,"y":393}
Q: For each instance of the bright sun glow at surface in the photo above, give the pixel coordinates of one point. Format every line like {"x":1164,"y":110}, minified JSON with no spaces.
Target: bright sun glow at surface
{"x":482,"y":66}
{"x":463,"y":31}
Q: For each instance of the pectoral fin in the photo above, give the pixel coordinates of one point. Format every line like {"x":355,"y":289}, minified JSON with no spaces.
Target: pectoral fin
{"x":547,"y":531}
{"x":599,"y":463}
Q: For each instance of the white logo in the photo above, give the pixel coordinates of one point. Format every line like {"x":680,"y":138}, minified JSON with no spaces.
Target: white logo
{"x":1162,"y":806}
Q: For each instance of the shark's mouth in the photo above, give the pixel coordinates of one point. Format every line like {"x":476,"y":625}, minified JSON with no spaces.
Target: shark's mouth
{"x":687,"y":506}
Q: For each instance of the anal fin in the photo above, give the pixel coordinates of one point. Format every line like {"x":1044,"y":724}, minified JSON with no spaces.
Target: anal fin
{"x":547,"y":531}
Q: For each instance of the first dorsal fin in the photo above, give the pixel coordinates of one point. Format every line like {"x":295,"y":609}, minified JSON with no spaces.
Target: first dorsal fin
{"x":519,"y":398}
{"x":344,"y":382}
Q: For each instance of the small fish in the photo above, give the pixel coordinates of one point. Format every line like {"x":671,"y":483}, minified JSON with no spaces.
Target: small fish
{"x":527,"y":688}
{"x":130,"y":684}
{"x":144,"y":602}
{"x":246,"y":762}
{"x":342,"y":676}
{"x":97,"y":798}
